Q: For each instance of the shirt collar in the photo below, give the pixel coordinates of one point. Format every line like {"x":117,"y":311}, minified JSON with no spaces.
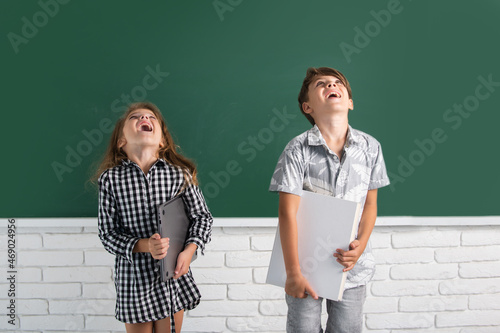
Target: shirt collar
{"x":127,"y":162}
{"x":315,"y":138}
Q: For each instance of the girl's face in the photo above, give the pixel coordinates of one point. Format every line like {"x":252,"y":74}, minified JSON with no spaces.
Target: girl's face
{"x":141,"y":129}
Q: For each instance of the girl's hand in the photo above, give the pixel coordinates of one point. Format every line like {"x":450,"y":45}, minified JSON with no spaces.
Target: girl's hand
{"x":349,"y":258}
{"x":184,"y":260}
{"x":158,"y":246}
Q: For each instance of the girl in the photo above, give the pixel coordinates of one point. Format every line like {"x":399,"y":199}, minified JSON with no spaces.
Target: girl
{"x":142,"y":169}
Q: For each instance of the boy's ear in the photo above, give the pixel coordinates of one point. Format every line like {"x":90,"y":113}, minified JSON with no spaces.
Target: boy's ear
{"x":351,"y":105}
{"x":306,"y":108}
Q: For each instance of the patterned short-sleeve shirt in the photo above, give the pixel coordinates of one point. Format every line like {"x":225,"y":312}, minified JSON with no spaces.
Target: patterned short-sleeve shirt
{"x":308,"y":164}
{"x":128,"y":201}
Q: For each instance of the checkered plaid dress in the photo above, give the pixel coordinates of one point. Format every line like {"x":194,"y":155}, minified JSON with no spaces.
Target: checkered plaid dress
{"x":128,"y":201}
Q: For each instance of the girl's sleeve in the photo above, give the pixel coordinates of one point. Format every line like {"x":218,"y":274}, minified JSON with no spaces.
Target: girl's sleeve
{"x":111,"y":232}
{"x":201,"y":219}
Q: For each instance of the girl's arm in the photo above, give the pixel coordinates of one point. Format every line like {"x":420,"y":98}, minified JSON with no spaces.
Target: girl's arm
{"x":200,"y":230}
{"x":111,"y":233}
{"x":349,"y":258}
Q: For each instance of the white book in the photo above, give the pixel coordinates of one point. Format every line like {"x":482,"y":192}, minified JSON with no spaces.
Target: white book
{"x":324,"y":224}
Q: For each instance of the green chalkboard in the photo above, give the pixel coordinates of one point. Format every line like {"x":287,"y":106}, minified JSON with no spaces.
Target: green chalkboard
{"x":226,"y":73}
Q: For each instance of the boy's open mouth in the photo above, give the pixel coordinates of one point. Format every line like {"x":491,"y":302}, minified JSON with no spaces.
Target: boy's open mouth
{"x":145,"y":127}
{"x":333,"y":94}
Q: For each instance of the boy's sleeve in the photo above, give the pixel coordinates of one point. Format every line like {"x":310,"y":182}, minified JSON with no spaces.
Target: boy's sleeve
{"x":288,"y":175}
{"x":200,"y":230}
{"x":111,"y":233}
{"x":379,"y":176}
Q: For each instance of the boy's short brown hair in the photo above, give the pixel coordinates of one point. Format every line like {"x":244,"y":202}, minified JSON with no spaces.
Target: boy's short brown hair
{"x":312,"y":72}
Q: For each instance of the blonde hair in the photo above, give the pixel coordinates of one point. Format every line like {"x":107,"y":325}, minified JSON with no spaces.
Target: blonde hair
{"x":168,"y":151}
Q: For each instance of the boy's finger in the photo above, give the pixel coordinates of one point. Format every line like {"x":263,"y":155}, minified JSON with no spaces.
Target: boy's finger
{"x":310,"y":291}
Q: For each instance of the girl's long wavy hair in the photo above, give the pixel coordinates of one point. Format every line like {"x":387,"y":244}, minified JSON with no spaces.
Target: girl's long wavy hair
{"x":115,"y":155}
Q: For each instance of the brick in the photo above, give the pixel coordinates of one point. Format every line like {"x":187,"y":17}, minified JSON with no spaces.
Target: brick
{"x":28,"y":274}
{"x":433,"y":330}
{"x":48,"y":290}
{"x":205,"y":325}
{"x":403,"y":256}
{"x":50,"y":258}
{"x":229,"y":243}
{"x":468,"y":318}
{"x":484,"y":302}
{"x":225,"y":309}
{"x":273,"y":308}
{"x":254,"y":292}
{"x":491,"y":329}
{"x":488,"y":235}
{"x":467,"y":254}
{"x":248,"y":259}
{"x":260,"y":275}
{"x":382,"y":273}
{"x":380,"y":240}
{"x":4,"y":323}
{"x":85,"y":306}
{"x":257,"y":324}
{"x":71,"y":241}
{"x":29,"y":242}
{"x":424,"y":271}
{"x":32,"y":307}
{"x":210,"y":259}
{"x":262,"y":243}
{"x":212,"y":292}
{"x":99,"y":258}
{"x":432,"y":304}
{"x":77,"y":274}
{"x":250,"y":230}
{"x":227,"y":275}
{"x":380,"y":305}
{"x":103,"y":323}
{"x":422,"y":239}
{"x":399,"y":320}
{"x":480,"y":269}
{"x":405,"y":288}
{"x":469,"y":286}
{"x":66,"y":323}
{"x":99,"y":291}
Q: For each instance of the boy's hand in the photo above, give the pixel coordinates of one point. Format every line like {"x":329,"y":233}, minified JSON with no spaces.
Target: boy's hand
{"x":349,"y":258}
{"x":184,"y":260}
{"x":158,"y":246}
{"x":296,"y":285}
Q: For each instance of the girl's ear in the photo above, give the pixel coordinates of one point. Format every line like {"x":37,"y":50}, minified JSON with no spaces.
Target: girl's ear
{"x":122,"y":142}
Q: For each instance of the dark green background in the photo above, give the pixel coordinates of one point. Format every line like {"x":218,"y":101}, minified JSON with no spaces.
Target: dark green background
{"x":226,"y":77}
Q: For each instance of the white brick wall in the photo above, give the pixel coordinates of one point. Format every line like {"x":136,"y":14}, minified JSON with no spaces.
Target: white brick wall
{"x":443,"y":279}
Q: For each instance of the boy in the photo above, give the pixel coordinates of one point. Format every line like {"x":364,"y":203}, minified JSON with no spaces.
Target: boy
{"x":331,"y":158}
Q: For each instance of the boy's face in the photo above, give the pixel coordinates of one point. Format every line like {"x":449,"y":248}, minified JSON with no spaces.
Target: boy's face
{"x":141,"y":128}
{"x":327,"y":96}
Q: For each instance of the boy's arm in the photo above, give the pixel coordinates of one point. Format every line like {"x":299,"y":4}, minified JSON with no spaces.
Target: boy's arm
{"x":349,"y":258}
{"x":296,"y":284}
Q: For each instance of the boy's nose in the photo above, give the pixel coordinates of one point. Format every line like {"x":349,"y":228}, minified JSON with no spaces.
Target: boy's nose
{"x":144,"y":116}
{"x":331,"y":84}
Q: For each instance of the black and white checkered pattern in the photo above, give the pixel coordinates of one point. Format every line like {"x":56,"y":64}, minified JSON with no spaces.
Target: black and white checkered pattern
{"x":128,"y":201}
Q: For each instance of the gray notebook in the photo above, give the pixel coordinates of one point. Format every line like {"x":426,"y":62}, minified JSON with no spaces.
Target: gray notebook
{"x":173,"y":223}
